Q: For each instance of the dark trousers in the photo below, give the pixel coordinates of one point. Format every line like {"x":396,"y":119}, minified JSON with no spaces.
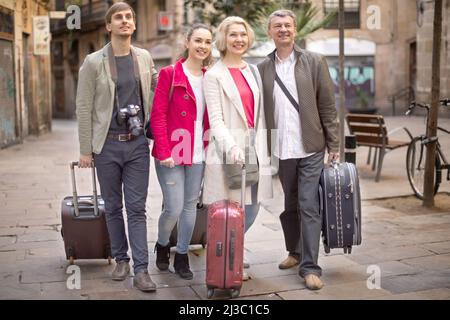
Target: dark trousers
{"x":301,"y":220}
{"x":125,"y":165}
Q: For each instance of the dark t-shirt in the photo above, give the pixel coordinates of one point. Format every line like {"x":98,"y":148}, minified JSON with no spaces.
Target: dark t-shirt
{"x":127,"y":90}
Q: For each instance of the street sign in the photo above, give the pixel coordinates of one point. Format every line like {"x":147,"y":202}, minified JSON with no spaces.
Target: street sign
{"x":41,"y":35}
{"x":165,"y":21}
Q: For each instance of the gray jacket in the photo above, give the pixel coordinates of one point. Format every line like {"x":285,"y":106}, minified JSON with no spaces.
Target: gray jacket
{"x":95,"y":96}
{"x":318,"y":114}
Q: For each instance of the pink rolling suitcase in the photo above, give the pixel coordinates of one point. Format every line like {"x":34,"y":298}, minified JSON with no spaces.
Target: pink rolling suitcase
{"x":225,"y":245}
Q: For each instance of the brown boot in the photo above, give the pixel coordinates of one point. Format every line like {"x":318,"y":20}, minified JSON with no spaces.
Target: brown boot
{"x":289,"y":262}
{"x":313,"y":282}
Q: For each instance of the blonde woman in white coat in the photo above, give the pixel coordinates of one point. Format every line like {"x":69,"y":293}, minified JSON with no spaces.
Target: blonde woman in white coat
{"x":234,"y":100}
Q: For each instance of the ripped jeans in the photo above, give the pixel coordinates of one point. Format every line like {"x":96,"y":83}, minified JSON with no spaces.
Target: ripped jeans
{"x":180,"y":187}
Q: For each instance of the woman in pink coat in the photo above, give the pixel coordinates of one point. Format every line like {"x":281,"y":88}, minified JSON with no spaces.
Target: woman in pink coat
{"x":178,"y":123}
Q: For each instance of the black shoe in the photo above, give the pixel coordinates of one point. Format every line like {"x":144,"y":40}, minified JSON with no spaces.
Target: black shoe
{"x":162,"y":256}
{"x":181,"y":266}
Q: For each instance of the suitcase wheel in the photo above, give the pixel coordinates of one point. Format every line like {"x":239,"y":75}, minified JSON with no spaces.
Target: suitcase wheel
{"x":210,"y":293}
{"x":327,"y":248}
{"x":235,"y":293}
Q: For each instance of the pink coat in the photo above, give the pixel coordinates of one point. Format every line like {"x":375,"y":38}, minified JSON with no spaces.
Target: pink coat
{"x":173,"y":119}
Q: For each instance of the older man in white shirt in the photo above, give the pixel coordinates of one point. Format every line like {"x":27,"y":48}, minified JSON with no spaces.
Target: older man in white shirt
{"x":300,"y":112}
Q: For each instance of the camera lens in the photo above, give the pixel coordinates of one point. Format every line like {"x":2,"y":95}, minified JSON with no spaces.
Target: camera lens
{"x":135,"y":126}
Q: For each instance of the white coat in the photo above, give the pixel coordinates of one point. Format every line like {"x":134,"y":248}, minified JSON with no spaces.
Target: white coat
{"x":229,"y":127}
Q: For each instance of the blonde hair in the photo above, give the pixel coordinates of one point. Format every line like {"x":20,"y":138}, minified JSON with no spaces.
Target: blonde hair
{"x":222,"y":31}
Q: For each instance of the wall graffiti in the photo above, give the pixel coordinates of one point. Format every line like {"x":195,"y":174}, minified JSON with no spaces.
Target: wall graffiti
{"x":359,"y":74}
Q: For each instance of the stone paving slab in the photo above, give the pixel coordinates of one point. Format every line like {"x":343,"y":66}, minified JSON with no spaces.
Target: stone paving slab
{"x":416,"y":282}
{"x":55,"y":244}
{"x":6,"y":241}
{"x":438,"y":247}
{"x":181,"y":293}
{"x":11,"y":231}
{"x":8,"y":257}
{"x":39,"y":236}
{"x":11,"y":289}
{"x":354,"y":290}
{"x":377,"y":255}
{"x":437,"y":263}
{"x":261,"y":297}
{"x":258,"y":286}
{"x":432,"y":294}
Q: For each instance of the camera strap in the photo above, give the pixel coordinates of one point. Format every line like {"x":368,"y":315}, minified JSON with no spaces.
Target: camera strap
{"x":114,"y":76}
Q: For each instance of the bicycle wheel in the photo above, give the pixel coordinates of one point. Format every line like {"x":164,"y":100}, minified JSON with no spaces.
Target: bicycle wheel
{"x":415,"y":167}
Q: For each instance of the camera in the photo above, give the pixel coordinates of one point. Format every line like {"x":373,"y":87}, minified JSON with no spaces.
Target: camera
{"x":131,"y":115}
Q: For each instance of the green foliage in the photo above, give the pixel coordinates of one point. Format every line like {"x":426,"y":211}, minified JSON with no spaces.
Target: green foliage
{"x":251,"y":10}
{"x":306,"y":14}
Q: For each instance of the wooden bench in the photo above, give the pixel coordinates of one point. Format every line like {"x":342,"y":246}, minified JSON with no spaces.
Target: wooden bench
{"x":370,"y":131}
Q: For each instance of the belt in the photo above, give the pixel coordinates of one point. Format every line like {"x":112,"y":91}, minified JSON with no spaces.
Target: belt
{"x":121,"y":136}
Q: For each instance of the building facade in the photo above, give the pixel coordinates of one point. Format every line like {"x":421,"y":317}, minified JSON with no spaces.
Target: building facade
{"x":159,"y":29}
{"x":381,"y":52}
{"x":25,"y":77}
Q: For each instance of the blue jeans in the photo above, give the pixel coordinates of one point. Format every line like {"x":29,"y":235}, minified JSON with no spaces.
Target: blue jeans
{"x":180,"y":187}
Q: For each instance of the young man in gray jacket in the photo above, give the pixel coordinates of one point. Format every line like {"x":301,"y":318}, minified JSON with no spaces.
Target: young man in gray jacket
{"x":301,"y":122}
{"x":113,"y":98}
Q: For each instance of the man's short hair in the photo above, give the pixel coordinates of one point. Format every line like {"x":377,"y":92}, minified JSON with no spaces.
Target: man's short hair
{"x":116,"y":7}
{"x":222,"y":31}
{"x":282,"y":13}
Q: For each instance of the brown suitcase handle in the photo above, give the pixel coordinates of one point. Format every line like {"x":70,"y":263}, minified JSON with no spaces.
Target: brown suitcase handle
{"x":74,"y":164}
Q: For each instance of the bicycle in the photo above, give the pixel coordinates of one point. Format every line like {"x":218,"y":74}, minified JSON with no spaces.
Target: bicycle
{"x":415,"y":155}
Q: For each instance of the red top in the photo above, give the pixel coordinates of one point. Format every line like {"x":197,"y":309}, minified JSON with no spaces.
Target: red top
{"x":246,"y":94}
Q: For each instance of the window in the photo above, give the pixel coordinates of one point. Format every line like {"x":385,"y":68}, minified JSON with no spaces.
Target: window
{"x":351,"y":13}
{"x":162,"y":7}
{"x":60,"y":5}
{"x":57,"y":53}
{"x":7,"y":25}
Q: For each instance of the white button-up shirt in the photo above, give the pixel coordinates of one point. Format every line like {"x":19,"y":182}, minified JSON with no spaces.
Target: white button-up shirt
{"x":288,"y":141}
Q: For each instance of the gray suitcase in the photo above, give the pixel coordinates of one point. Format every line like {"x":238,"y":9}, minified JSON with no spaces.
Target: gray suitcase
{"x":340,"y":206}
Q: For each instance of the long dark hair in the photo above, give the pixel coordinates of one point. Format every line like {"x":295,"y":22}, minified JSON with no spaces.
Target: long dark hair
{"x":208,"y":60}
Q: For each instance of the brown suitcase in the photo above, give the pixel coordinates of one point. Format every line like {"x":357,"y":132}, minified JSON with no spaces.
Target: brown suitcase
{"x":83,"y":224}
